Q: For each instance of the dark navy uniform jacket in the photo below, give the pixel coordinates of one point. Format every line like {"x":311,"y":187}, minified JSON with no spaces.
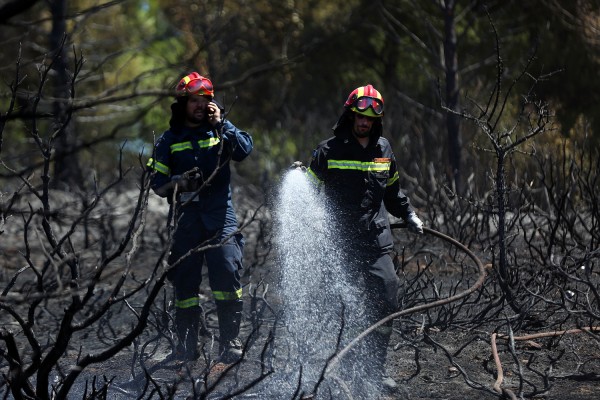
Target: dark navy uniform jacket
{"x":209,"y":148}
{"x":360,"y":184}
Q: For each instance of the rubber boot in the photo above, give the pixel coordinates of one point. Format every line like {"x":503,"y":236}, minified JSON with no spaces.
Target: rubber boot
{"x":230,"y":317}
{"x":380,"y":342}
{"x":187,"y":321}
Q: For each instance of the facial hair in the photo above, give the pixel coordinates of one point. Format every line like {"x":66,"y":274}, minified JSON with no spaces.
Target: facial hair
{"x":196,"y":118}
{"x":361,"y":133}
{"x":193,"y":120}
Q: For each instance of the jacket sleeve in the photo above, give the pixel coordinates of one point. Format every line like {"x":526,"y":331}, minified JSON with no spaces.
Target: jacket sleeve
{"x":159,"y":164}
{"x":240,"y":141}
{"x":317,"y":169}
{"x":396,"y":202}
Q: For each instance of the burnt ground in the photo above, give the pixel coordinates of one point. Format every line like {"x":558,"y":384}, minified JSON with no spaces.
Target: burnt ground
{"x":428,"y":362}
{"x":443,"y":352}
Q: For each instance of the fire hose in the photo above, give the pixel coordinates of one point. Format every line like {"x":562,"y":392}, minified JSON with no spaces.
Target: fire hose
{"x":478,"y":283}
{"x":505,"y":392}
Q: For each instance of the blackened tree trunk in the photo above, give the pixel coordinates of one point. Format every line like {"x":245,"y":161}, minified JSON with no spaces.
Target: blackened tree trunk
{"x":67,"y":171}
{"x":452,"y":94}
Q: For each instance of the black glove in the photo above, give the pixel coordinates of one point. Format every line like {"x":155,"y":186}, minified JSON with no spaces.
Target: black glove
{"x":181,"y":182}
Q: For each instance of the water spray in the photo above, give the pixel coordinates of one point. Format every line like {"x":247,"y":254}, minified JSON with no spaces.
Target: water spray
{"x":478,"y":283}
{"x":315,"y":293}
{"x":319,"y":306}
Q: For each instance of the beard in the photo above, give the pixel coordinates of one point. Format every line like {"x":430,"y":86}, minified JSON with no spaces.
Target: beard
{"x":194,"y":120}
{"x":361,"y":133}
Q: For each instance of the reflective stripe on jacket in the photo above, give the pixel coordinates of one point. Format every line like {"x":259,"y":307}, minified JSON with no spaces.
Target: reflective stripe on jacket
{"x":361,"y":183}
{"x":209,"y":149}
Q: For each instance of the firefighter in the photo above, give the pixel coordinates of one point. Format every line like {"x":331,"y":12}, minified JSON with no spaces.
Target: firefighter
{"x":190,"y":166}
{"x":357,"y":171}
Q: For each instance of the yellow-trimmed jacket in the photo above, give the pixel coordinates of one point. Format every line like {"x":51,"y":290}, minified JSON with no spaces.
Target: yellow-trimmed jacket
{"x":361,"y":185}
{"x":210,"y":149}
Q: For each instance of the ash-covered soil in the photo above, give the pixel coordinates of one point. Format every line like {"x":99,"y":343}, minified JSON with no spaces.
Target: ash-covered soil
{"x":441,"y":353}
{"x":444,"y":352}
{"x":456,"y":363}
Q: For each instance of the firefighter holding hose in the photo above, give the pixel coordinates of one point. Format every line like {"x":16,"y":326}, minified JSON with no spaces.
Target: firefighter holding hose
{"x":190,"y":166}
{"x":357,"y":171}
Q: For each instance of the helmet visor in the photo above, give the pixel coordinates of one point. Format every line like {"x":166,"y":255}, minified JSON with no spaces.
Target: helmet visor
{"x":201,"y":86}
{"x":363,"y":103}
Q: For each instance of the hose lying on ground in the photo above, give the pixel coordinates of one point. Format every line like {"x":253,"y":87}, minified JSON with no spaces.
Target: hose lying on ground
{"x":481,"y":278}
{"x":458,"y":296}
{"x":500,"y":374}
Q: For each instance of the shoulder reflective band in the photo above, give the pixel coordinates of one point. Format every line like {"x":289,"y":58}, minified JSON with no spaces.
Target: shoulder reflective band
{"x":366,"y":166}
{"x":188,"y":145}
{"x":160,"y":167}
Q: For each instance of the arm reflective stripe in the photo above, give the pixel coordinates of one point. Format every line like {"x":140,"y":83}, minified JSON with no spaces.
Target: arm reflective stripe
{"x":367,"y":166}
{"x":160,"y":167}
{"x":218,"y":295}
{"x":188,"y":145}
{"x":393,"y":179}
{"x":312,"y":178}
{"x":209,"y":142}
{"x":187,"y":303}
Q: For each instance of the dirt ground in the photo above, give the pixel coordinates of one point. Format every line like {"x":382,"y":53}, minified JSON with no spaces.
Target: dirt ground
{"x":444,"y":352}
{"x":436,"y":354}
{"x":454,"y":364}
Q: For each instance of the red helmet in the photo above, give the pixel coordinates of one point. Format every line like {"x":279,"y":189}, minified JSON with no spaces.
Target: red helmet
{"x":365,"y":100}
{"x":195,"y":83}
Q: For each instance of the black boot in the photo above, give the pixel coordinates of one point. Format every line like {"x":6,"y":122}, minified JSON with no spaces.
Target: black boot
{"x":230,"y":317}
{"x":380,"y":341}
{"x":187,"y":321}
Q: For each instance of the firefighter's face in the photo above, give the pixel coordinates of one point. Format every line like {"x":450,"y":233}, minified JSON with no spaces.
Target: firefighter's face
{"x":196,"y":109}
{"x":362,"y":125}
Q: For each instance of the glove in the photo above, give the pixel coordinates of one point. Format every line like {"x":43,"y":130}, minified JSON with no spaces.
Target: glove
{"x":181,"y":182}
{"x":298,"y":165}
{"x":414,"y":223}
